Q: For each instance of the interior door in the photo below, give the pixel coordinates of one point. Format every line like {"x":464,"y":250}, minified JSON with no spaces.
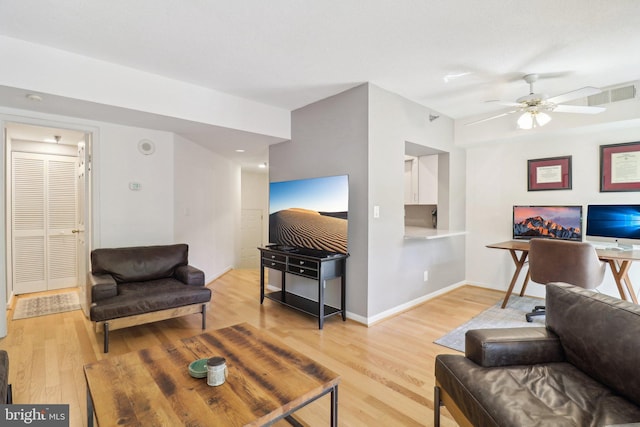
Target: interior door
{"x":250,"y":237}
{"x":83,"y":196}
{"x":28,"y":223}
{"x":43,"y":220}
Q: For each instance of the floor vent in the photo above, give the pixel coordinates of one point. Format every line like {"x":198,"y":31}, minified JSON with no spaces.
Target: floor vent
{"x":613,"y":94}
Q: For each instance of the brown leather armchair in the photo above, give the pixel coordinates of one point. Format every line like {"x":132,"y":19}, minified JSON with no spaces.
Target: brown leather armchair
{"x":575,"y":263}
{"x":136,"y":285}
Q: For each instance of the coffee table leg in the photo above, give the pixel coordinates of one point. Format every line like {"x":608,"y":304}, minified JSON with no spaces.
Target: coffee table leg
{"x":89,"y":409}
{"x":334,"y":406}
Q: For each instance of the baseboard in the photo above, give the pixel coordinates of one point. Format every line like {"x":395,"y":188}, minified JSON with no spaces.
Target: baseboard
{"x":218,"y":275}
{"x":404,"y":307}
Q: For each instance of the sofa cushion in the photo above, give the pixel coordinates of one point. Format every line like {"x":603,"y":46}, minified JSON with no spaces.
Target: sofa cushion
{"x":599,"y":335}
{"x":552,"y":394}
{"x":137,"y":264}
{"x":139,"y":298}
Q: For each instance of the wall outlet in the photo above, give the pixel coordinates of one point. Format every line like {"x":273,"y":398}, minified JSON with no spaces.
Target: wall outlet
{"x":426,"y":275}
{"x":376,"y":211}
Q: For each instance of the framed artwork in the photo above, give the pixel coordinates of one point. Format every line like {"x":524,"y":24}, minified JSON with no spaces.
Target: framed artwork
{"x":552,"y":173}
{"x":620,"y":167}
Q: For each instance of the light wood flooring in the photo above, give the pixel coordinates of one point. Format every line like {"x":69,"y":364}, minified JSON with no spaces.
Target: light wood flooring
{"x":386,"y":369}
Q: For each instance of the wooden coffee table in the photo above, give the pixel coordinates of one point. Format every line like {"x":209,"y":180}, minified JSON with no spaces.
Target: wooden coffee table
{"x":267,"y":381}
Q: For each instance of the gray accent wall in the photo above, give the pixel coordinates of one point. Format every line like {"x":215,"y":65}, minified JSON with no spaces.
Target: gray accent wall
{"x":362,"y":132}
{"x":329,"y":137}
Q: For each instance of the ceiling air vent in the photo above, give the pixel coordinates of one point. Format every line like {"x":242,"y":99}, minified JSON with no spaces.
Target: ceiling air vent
{"x":613,"y":94}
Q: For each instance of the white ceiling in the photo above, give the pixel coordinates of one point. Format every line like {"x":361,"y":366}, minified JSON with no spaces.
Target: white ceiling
{"x":289,"y":53}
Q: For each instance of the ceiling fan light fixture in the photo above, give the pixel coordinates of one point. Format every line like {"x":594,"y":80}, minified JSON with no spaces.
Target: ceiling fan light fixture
{"x":525,"y":121}
{"x":532,"y":119}
{"x":542,"y":119}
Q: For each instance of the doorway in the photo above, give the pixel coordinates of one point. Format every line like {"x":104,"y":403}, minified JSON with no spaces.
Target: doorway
{"x":47,"y":208}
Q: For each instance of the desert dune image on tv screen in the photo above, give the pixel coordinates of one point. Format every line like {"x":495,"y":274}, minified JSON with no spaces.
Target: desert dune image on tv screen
{"x":310,"y":213}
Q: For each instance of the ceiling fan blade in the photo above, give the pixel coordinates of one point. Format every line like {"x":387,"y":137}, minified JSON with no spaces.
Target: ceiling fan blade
{"x":575,"y":94}
{"x":505,"y":103}
{"x":491,"y":118}
{"x":581,"y":109}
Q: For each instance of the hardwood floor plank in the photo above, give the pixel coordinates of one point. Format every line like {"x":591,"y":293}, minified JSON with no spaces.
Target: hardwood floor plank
{"x":386,"y":369}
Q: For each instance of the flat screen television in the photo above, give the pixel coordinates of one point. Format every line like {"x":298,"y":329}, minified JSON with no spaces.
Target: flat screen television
{"x":619,"y":224}
{"x":551,"y":222}
{"x":310,"y":213}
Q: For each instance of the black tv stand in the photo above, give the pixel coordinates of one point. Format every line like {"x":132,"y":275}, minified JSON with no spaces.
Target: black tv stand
{"x":314,"y":264}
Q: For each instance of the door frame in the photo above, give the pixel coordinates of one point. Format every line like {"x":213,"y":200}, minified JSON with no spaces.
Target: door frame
{"x":91,"y":137}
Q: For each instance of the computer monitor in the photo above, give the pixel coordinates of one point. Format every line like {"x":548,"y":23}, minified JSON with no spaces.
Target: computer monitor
{"x":549,"y":222}
{"x":615,"y":224}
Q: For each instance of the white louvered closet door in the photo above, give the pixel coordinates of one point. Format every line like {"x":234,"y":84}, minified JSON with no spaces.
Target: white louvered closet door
{"x":43,"y":219}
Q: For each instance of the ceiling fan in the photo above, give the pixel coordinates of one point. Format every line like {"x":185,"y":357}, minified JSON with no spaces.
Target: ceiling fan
{"x":536,"y":105}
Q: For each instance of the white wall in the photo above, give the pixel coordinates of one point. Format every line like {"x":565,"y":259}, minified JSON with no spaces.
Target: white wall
{"x":497,"y":180}
{"x":396,"y":265}
{"x":206,"y":206}
{"x":133,"y":218}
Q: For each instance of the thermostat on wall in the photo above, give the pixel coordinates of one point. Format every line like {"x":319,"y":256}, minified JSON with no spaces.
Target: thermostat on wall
{"x":135,"y":186}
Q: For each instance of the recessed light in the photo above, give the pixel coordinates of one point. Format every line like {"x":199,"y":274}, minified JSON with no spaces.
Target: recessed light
{"x":239,"y":150}
{"x":33,"y":97}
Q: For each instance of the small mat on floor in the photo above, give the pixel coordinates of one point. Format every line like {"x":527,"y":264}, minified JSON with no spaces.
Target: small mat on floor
{"x":50,"y":304}
{"x":512,"y":316}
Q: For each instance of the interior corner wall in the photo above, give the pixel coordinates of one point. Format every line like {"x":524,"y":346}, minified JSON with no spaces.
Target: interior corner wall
{"x":329,"y":137}
{"x":497,"y":180}
{"x":206,"y":206}
{"x":396,"y":265}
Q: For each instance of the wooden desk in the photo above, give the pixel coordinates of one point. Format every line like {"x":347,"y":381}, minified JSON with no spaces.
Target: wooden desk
{"x":267,"y":381}
{"x":618,"y":261}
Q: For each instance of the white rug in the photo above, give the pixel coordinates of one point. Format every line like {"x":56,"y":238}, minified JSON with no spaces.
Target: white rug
{"x":512,"y":316}
{"x":50,"y":304}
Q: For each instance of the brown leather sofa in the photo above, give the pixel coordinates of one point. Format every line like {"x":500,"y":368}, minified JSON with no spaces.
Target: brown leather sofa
{"x":137,"y":285}
{"x":579,"y":370}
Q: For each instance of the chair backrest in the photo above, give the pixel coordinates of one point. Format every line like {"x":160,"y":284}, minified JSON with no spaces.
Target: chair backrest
{"x":575,"y":263}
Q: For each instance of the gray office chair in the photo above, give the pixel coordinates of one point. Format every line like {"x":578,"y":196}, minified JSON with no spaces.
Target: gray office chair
{"x":575,"y":263}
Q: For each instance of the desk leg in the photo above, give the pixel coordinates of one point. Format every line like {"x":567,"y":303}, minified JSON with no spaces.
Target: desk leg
{"x":524,"y":284}
{"x":519,"y":262}
{"x":620,"y":274}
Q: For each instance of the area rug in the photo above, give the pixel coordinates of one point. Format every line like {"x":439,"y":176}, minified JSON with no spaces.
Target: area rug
{"x":50,"y":304}
{"x":513,"y":316}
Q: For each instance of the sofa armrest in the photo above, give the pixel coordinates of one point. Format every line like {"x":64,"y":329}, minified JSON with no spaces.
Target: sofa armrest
{"x":513,"y":346}
{"x":189,"y":275}
{"x":103,"y":286}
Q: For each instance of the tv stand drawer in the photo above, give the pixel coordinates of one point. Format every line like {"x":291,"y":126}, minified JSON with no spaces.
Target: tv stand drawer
{"x":302,"y":262}
{"x":272,"y":256}
{"x":302,"y":271}
{"x":274,"y":265}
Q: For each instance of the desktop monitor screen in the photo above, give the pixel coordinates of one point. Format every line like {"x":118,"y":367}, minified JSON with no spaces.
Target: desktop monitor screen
{"x":614,"y":221}
{"x":551,"y":222}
